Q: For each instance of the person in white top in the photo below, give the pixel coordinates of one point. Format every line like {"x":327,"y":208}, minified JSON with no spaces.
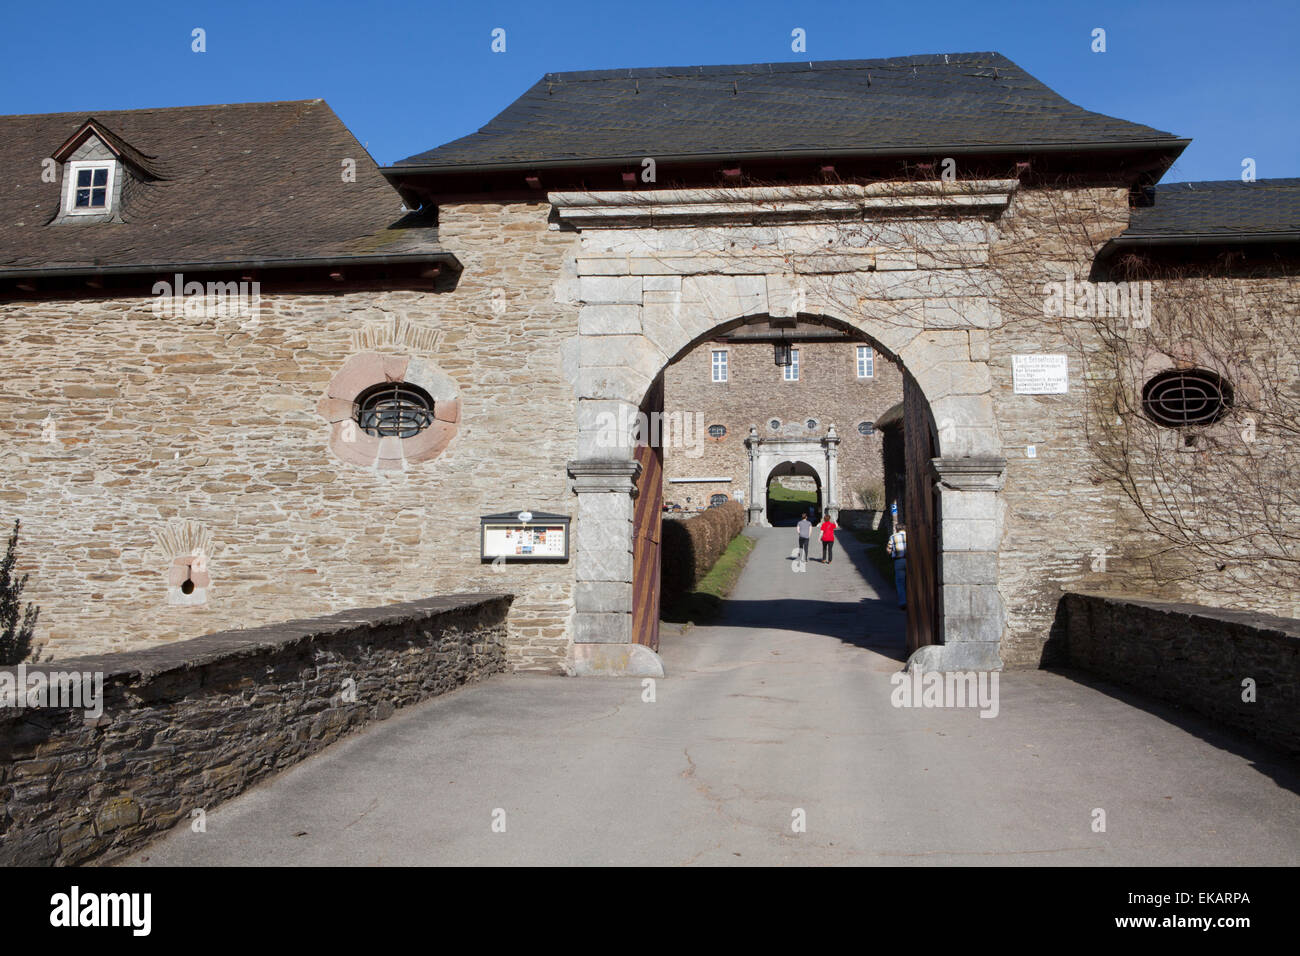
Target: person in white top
{"x":897,"y":549}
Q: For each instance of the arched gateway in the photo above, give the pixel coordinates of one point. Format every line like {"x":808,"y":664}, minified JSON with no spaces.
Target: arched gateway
{"x":659,"y":271}
{"x":811,"y":462}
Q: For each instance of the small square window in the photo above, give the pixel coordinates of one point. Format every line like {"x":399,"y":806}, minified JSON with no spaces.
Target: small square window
{"x":90,"y":187}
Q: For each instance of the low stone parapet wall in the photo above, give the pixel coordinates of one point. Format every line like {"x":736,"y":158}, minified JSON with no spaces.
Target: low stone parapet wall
{"x":1237,"y":668}
{"x":122,"y":747}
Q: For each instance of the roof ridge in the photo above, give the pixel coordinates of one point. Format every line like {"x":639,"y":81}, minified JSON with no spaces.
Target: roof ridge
{"x":91,"y":113}
{"x":777,"y":66}
{"x":1192,"y":184}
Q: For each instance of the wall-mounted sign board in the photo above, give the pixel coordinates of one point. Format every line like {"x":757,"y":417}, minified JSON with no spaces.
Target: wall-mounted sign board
{"x":1040,"y":374}
{"x":524,"y":536}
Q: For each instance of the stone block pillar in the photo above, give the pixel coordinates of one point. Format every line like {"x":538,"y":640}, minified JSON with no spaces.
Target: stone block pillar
{"x":757,"y":490}
{"x":831,"y":493}
{"x":970,"y":532}
{"x":602,"y":598}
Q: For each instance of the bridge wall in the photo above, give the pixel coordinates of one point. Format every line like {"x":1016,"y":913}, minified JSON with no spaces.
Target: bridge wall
{"x":183,"y":728}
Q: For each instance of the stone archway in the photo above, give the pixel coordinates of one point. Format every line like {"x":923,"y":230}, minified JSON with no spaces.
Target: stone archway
{"x":767,"y":456}
{"x":658,"y":272}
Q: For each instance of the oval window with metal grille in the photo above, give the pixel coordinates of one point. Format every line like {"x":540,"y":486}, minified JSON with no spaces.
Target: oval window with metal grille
{"x":394,"y":409}
{"x":1180,"y":397}
{"x":866,"y":428}
{"x":717,"y":431}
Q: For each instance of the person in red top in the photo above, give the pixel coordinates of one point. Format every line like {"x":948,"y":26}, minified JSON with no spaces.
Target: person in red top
{"x":828,"y":538}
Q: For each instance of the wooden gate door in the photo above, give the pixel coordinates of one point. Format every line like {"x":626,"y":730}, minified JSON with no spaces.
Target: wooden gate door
{"x":924,"y":606}
{"x":647,"y":518}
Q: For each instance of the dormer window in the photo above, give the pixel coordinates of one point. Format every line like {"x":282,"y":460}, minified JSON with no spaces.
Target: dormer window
{"x":89,"y":188}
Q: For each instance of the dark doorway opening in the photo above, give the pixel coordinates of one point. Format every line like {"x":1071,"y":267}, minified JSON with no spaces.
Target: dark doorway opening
{"x":793,"y":489}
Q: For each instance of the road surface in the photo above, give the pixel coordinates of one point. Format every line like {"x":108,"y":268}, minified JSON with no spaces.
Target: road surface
{"x":771,"y":741}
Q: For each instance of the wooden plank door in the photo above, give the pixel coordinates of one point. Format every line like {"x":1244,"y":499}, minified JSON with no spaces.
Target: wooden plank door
{"x":921,"y":518}
{"x":647,"y":518}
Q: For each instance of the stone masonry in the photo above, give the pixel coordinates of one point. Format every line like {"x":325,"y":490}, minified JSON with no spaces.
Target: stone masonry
{"x":131,"y":437}
{"x":190,"y":725}
{"x":660,"y":272}
{"x":1237,"y":668}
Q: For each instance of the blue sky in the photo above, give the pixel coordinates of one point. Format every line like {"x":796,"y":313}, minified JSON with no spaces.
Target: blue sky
{"x":406,"y":76}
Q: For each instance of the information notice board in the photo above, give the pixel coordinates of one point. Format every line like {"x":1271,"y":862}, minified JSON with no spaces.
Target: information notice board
{"x":524,"y":536}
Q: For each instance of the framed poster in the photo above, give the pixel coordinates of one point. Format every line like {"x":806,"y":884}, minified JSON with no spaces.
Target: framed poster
{"x":524,"y":536}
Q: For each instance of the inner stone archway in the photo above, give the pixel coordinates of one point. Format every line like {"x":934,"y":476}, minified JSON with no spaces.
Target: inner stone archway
{"x":660,"y":271}
{"x":771,"y":458}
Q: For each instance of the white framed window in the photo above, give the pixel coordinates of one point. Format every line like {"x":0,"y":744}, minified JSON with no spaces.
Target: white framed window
{"x":791,"y":372}
{"x":719,"y":365}
{"x":866,"y":362}
{"x":89,"y":187}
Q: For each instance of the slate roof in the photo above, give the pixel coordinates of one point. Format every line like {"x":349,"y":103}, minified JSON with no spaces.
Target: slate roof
{"x":960,"y":101}
{"x":1224,"y":209}
{"x":247,"y":183}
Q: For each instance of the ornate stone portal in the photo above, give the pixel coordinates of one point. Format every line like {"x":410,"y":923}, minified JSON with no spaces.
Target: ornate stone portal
{"x":767,"y":454}
{"x":659,"y":271}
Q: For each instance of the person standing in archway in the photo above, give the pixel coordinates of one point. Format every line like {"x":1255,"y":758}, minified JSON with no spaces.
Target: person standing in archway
{"x":897,"y":549}
{"x":805,"y":532}
{"x":828,"y":539}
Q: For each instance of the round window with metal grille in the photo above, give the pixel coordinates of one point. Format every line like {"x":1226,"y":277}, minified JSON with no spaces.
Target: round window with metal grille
{"x":1180,"y":397}
{"x":774,"y":424}
{"x":394,"y":409}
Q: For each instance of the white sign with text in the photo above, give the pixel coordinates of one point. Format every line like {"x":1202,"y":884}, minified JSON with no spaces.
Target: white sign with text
{"x":1040,"y":374}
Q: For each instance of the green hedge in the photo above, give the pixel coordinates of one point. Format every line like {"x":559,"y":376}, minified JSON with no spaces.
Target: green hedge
{"x":688,"y":549}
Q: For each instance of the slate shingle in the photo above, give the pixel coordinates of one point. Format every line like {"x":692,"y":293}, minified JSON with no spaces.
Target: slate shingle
{"x":1221,"y":209}
{"x":918,"y":102}
{"x":252,"y":181}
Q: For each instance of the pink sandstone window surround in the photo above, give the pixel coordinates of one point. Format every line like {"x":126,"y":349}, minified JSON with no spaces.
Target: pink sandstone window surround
{"x":363,"y":372}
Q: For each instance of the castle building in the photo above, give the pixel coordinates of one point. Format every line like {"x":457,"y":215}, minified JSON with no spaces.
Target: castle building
{"x":250,"y":376}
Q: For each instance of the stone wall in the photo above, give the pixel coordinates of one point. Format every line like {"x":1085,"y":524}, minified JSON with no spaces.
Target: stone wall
{"x":1193,"y":656}
{"x":1066,"y":523}
{"x":828,"y":392}
{"x":1054,"y":513}
{"x":187,"y":726}
{"x":128,"y":436}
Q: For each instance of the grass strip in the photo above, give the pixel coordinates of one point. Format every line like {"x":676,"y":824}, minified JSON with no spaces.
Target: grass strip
{"x":704,"y":602}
